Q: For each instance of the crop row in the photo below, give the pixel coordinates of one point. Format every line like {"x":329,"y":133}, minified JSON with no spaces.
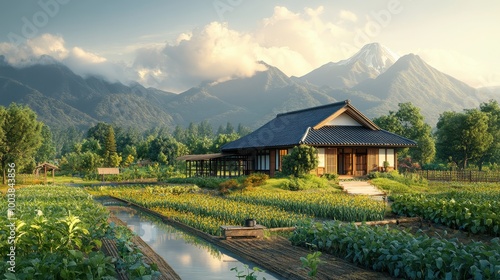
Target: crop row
{"x":401,"y":253}
{"x":473,"y":211}
{"x":57,"y":234}
{"x":337,"y":206}
{"x":223,"y":210}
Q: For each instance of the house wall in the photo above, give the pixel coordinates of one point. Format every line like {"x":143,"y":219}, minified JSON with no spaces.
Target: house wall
{"x":343,"y":120}
{"x":270,"y":161}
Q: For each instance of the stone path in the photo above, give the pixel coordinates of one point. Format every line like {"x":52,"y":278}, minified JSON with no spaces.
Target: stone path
{"x":361,"y":188}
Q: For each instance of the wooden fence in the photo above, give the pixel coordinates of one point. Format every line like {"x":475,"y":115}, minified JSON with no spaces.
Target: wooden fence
{"x":460,"y":176}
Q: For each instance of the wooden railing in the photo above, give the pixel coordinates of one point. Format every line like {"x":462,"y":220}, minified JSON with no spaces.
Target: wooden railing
{"x":460,"y":176}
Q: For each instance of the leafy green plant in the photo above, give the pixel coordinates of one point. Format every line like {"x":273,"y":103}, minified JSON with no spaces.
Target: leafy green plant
{"x":312,"y":262}
{"x":401,"y":253}
{"x":246,"y":274}
{"x":473,"y":210}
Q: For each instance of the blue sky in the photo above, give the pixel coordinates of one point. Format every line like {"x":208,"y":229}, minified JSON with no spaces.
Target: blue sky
{"x":175,"y":45}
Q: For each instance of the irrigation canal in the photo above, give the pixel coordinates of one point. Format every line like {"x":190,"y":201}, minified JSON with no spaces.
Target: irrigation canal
{"x":191,"y":257}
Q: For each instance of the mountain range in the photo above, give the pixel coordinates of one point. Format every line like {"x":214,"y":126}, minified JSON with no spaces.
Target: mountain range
{"x":374,"y":79}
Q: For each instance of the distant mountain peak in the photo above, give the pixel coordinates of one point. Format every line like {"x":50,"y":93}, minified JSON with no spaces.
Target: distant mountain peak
{"x":373,"y":55}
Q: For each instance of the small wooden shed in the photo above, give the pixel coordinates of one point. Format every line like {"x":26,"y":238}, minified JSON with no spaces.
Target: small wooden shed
{"x":108,"y":171}
{"x":45,"y":167}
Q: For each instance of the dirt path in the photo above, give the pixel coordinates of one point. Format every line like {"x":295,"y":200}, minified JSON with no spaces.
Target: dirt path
{"x":277,"y":255}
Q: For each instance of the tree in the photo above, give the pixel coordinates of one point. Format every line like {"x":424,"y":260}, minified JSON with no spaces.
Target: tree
{"x":22,"y":137}
{"x":409,"y":122}
{"x":492,"y":154}
{"x":205,"y":129}
{"x":99,"y":132}
{"x":47,"y":150}
{"x":243,"y":130}
{"x":89,"y":145}
{"x":89,"y":162}
{"x":463,"y":137}
{"x":300,"y":161}
{"x":221,"y":140}
{"x":111,"y":158}
{"x":65,"y":139}
{"x":167,"y":146}
{"x":180,"y":134}
{"x":229,"y":128}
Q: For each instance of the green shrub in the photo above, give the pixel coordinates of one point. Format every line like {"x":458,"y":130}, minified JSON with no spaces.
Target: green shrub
{"x":331,"y":177}
{"x":202,"y":182}
{"x":228,"y":185}
{"x":305,"y":183}
{"x":300,"y":161}
{"x":255,"y":180}
{"x":409,"y":179}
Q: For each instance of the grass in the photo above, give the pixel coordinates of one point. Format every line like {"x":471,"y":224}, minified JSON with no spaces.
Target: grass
{"x":72,"y":180}
{"x":274,"y":184}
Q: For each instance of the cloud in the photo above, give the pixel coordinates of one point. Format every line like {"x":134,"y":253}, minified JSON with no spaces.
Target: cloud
{"x":84,"y":63}
{"x":212,"y":53}
{"x":295,"y":42}
{"x":30,"y":52}
{"x":307,"y":34}
{"x":348,"y":16}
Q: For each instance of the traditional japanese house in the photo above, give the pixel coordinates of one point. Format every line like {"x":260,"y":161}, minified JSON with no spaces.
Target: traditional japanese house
{"x":348,"y":143}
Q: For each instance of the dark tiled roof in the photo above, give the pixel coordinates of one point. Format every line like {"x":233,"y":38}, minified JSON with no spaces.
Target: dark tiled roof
{"x":289,"y":129}
{"x":286,"y":129}
{"x":354,"y":136}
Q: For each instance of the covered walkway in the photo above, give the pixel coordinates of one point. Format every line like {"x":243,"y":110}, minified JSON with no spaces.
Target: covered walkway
{"x":216,"y":165}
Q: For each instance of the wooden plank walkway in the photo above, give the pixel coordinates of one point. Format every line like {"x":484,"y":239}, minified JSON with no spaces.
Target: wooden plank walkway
{"x":278,"y":256}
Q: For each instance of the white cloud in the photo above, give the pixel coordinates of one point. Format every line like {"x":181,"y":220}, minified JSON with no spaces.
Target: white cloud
{"x":296,"y":43}
{"x":82,"y":62}
{"x":30,"y":52}
{"x":307,"y":34}
{"x":213,"y":53}
{"x":348,"y":16}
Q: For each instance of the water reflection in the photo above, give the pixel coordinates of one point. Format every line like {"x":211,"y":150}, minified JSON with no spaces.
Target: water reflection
{"x":189,"y":256}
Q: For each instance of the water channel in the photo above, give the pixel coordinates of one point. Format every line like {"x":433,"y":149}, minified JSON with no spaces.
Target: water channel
{"x":191,"y":257}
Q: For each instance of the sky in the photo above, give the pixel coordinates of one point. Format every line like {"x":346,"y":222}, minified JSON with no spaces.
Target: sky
{"x":175,"y":45}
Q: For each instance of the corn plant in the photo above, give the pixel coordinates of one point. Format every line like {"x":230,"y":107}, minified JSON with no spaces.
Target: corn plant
{"x":336,"y":205}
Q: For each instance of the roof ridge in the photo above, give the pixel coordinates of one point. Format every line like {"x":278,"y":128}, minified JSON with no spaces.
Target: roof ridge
{"x":347,"y":101}
{"x":305,"y":135}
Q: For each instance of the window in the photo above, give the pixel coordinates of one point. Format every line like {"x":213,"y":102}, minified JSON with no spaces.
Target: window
{"x":321,"y":157}
{"x":262,"y":160}
{"x":385,"y":155}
